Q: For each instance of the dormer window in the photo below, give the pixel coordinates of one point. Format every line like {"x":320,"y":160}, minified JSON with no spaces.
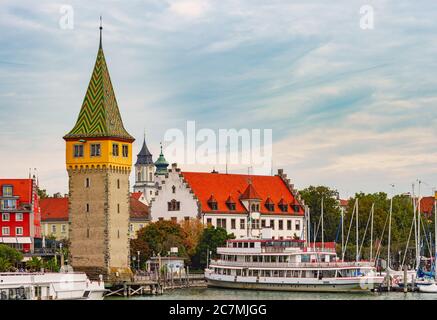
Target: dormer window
{"x":212,"y":202}
{"x":230,"y":202}
{"x":283,"y":205}
{"x":270,"y":206}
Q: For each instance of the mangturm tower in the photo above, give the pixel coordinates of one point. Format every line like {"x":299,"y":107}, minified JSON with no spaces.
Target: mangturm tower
{"x":99,"y":159}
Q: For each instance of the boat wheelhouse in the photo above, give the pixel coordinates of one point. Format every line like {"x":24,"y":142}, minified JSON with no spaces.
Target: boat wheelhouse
{"x":288,"y":265}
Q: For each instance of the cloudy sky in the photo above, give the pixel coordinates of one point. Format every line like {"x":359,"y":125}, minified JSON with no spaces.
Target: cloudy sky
{"x":349,"y":107}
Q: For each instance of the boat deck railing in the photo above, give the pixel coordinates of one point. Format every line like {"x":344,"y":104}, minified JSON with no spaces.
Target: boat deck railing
{"x":292,"y":264}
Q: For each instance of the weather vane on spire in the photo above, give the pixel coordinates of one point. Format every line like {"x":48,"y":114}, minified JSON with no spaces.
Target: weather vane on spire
{"x":101,"y":28}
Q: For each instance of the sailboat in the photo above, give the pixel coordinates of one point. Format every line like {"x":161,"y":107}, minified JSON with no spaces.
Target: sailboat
{"x":432,"y":287}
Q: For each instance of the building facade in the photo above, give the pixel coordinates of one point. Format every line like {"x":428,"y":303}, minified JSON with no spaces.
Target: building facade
{"x":244,"y":205}
{"x":98,"y":161}
{"x":55,"y":222}
{"x":20,"y":219}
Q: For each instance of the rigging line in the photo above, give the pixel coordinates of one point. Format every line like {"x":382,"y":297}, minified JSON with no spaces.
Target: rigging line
{"x":426,"y":237}
{"x":378,"y":251}
{"x":348,"y":232}
{"x":365,"y":232}
{"x":408,"y":242}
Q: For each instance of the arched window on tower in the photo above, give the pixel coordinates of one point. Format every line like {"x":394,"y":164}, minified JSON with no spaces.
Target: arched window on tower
{"x":139,"y":175}
{"x":150,"y":176}
{"x":173,"y":188}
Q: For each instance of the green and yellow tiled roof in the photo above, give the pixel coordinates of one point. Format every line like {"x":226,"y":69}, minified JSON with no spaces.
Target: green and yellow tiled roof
{"x":99,"y":115}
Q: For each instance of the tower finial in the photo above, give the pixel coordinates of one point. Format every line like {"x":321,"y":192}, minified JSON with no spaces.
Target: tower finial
{"x":101,"y":28}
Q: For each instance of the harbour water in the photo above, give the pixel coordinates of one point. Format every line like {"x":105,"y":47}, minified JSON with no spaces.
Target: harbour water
{"x":226,"y":294}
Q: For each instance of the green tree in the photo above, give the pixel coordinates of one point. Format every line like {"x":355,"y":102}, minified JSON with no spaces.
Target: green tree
{"x":158,"y":237}
{"x":211,"y":239}
{"x":42,"y":193}
{"x":35,"y":264}
{"x":9,"y":257}
{"x":331,"y":213}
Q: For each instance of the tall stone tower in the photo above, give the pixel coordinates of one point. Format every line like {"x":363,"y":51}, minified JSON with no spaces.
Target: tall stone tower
{"x":145,"y":174}
{"x":99,"y":160}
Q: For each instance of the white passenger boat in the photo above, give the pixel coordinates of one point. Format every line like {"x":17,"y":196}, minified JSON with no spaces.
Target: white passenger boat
{"x":288,"y":265}
{"x":49,"y":286}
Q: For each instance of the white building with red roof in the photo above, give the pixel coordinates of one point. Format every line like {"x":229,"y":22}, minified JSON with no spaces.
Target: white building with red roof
{"x":242,"y":204}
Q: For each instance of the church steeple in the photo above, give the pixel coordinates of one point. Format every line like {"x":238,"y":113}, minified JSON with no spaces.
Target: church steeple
{"x":161,"y":164}
{"x":144,"y":157}
{"x":99,"y":115}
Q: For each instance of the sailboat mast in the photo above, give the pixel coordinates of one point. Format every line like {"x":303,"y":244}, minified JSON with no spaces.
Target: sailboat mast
{"x":418,"y":226}
{"x":323,"y":232}
{"x":389,"y":229}
{"x":356,"y":224}
{"x":371,"y":232}
{"x":435,"y":234}
{"x":342,"y":229}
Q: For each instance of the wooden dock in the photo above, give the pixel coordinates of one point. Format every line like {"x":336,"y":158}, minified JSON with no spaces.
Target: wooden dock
{"x":153,"y":285}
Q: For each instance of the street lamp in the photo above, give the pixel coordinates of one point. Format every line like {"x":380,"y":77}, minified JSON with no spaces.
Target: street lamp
{"x":138,"y":253}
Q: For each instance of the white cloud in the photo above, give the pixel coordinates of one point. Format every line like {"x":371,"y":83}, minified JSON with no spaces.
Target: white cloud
{"x":189,"y":8}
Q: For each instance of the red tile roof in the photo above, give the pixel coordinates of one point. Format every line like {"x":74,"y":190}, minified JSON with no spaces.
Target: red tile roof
{"x":250,"y":193}
{"x":222,"y":186}
{"x":138,"y":210}
{"x":427,"y":205}
{"x":136,"y":195}
{"x":344,"y":203}
{"x":54,"y":209}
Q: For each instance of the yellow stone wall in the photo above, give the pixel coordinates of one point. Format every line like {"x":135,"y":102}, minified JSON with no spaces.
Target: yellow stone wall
{"x":134,"y":226}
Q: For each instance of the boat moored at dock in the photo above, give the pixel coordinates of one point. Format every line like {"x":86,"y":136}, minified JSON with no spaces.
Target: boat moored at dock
{"x":288,"y":265}
{"x":49,"y":286}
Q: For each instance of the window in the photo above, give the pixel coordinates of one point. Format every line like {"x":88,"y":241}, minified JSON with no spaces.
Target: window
{"x":173,"y":189}
{"x":5,"y":217}
{"x":296,"y":208}
{"x":87,"y":182}
{"x":209,"y":221}
{"x":288,"y":224}
{"x":87,"y":233}
{"x":131,"y":227}
{"x":221,"y":223}
{"x":297,"y":225}
{"x":115,"y":149}
{"x":272,"y":224}
{"x":255,"y":224}
{"x":150,"y":176}
{"x":18,"y":216}
{"x":242,"y":224}
{"x":139,"y":176}
{"x":9,"y":204}
{"x":118,"y":183}
{"x":78,"y":150}
{"x":95,"y":150}
{"x":87,"y":207}
{"x":7,"y":191}
{"x":263,"y":223}
{"x":283,"y":207}
{"x":53,"y":228}
{"x":270,"y":207}
{"x":5,"y":231}
{"x":174,"y":205}
{"x":63,"y":228}
{"x":118,"y":208}
{"x":281,"y":225}
{"x":233,"y":227}
{"x":125,"y":150}
{"x":19,"y":231}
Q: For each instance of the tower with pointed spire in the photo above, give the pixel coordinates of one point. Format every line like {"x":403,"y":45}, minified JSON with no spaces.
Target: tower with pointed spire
{"x":98,"y":161}
{"x":145,"y":173}
{"x":161,"y":164}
